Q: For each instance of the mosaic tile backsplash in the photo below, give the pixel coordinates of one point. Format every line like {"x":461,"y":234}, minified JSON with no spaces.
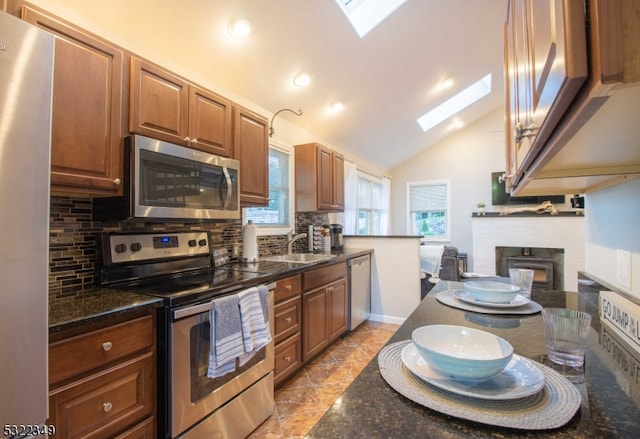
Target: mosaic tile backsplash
{"x":74,"y":260}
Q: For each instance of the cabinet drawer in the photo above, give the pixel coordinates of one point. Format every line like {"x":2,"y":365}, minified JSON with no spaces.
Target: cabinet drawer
{"x":321,"y":276}
{"x":105,"y":403}
{"x":288,"y":358}
{"x":144,"y":430}
{"x":288,"y":317}
{"x":85,"y":352}
{"x":287,"y":287}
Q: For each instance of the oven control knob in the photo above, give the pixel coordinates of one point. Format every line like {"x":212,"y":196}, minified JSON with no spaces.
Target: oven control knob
{"x":202,"y":242}
{"x":192,"y":243}
{"x":136,"y":247}
{"x":121,"y":248}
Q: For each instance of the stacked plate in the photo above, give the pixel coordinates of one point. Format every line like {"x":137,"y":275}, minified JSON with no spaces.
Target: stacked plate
{"x":491,"y":294}
{"x":449,"y":357}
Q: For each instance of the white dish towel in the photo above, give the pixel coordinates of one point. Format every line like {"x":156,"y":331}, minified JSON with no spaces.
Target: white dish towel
{"x":254,"y":313}
{"x":430,"y":258}
{"x":225,"y":337}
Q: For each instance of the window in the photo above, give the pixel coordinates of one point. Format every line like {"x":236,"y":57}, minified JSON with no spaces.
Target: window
{"x":428,"y":204}
{"x":365,"y":15}
{"x":277,"y":216}
{"x":371,"y":206}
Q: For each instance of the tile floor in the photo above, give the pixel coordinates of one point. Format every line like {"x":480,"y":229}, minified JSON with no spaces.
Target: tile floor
{"x":302,"y":401}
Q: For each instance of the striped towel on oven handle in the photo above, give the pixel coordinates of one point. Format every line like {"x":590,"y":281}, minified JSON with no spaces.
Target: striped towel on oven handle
{"x":254,"y":313}
{"x":226,"y":336}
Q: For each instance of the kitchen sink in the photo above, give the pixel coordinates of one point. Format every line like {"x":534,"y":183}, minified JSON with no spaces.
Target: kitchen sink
{"x":300,"y":258}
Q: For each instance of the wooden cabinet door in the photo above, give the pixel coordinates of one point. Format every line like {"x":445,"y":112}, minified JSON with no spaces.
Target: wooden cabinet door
{"x":103,"y":404}
{"x":251,"y":148}
{"x":519,"y":91}
{"x":159,"y":103}
{"x":338,"y":182}
{"x":314,"y":319}
{"x":338,"y":308}
{"x":87,"y":126}
{"x":558,"y":59}
{"x":546,"y":64}
{"x":6,"y":5}
{"x":325,"y":178}
{"x":210,"y":122}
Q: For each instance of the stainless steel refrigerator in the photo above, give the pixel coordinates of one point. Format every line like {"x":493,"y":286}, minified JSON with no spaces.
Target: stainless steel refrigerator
{"x":26,"y":72}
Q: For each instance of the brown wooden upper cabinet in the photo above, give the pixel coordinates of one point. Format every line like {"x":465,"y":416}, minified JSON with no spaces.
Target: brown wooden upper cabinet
{"x":545,"y":65}
{"x":561,"y":139}
{"x":167,"y":107}
{"x":251,"y":148}
{"x":319,"y":178}
{"x":6,"y":5}
{"x":87,"y":114}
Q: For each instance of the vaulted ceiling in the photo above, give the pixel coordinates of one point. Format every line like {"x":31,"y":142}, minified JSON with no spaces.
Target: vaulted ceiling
{"x":386,"y":80}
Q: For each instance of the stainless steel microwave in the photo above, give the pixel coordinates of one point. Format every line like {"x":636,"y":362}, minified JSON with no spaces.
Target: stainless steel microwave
{"x":164,"y":181}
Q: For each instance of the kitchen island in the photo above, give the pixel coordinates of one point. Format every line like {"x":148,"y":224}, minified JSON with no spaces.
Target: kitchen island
{"x":610,"y":384}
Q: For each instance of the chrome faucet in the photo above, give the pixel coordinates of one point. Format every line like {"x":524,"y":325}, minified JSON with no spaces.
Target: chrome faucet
{"x":291,"y":239}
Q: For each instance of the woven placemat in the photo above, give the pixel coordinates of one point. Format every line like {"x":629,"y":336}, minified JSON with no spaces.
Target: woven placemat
{"x":448,"y":298}
{"x":552,"y":407}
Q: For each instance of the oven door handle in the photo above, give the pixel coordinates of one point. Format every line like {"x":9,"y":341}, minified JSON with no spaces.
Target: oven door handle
{"x":205,"y":307}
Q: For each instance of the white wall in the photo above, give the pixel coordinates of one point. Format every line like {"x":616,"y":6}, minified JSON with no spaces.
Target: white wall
{"x":466,"y":159}
{"x":612,"y":223}
{"x":395,"y":275}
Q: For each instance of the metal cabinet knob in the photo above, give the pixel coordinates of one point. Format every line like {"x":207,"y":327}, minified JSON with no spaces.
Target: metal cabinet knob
{"x":194,"y":141}
{"x":187,"y":139}
{"x":287,"y":358}
{"x":107,"y":406}
{"x":117,"y":182}
{"x":106,"y":346}
{"x":288,"y":287}
{"x":287,"y":319}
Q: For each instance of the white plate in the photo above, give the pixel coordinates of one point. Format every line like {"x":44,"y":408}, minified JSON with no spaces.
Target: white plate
{"x":519,"y":379}
{"x":465,"y":296}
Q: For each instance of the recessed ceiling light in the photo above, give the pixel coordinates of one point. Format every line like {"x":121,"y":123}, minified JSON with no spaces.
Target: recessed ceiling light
{"x":456,"y":103}
{"x":444,"y":84}
{"x":336,"y":107}
{"x":302,"y":79}
{"x":456,"y":124}
{"x":240,"y":28}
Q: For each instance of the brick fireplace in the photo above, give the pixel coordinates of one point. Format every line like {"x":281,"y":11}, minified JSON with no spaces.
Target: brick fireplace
{"x":556,"y":241}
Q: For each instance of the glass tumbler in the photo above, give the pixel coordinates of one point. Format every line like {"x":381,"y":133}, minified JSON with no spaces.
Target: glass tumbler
{"x":566,"y":333}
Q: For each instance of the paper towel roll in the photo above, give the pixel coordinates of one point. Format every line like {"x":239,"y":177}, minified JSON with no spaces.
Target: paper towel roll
{"x":250,"y":242}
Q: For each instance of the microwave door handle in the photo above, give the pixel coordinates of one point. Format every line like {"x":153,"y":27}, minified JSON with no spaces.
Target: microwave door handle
{"x":227,"y":199}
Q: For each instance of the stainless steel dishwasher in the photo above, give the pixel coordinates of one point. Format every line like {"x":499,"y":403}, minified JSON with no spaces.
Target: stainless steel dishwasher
{"x":360,"y":282}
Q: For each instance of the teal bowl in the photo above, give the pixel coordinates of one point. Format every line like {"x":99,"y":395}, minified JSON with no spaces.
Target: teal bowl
{"x":461,"y":353}
{"x":489,"y":291}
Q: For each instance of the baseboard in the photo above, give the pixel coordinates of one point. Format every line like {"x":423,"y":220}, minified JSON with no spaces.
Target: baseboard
{"x":386,"y":319}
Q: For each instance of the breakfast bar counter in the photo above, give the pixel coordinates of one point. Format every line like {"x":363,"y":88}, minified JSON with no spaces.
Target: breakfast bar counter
{"x":609,"y":383}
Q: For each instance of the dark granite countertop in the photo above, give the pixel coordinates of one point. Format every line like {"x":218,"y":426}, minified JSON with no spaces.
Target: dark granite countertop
{"x":94,"y":306}
{"x":107,"y":303}
{"x":370,"y":408}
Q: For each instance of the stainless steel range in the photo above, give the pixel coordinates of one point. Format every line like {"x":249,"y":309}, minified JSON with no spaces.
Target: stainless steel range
{"x":178,"y":267}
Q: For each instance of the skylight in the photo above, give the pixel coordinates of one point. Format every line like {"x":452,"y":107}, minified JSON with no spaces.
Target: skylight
{"x":364,"y":15}
{"x":456,"y":103}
